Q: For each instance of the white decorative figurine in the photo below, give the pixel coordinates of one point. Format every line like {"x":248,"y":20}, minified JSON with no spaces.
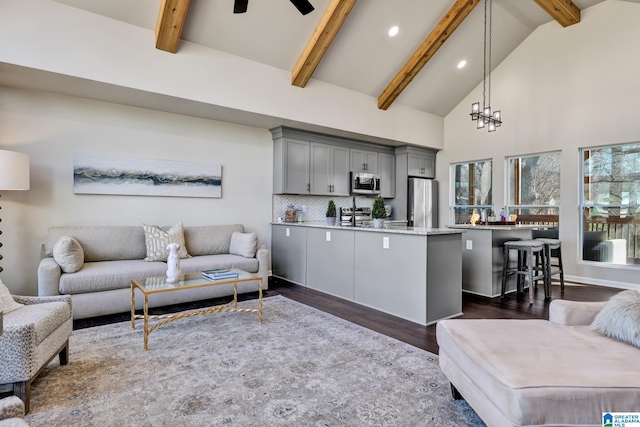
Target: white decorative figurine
{"x":173,"y":263}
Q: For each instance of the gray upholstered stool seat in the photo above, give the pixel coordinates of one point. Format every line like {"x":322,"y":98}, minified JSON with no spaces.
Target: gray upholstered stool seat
{"x":553,"y":245}
{"x":526,"y":266}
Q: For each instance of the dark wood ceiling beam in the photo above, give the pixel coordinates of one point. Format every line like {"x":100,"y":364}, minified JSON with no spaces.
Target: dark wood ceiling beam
{"x":170,"y":22}
{"x":563,"y":11}
{"x":322,"y":37}
{"x":451,"y":20}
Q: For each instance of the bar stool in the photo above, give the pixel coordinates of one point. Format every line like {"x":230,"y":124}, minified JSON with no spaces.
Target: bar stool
{"x":553,"y":245}
{"x":526,"y":265}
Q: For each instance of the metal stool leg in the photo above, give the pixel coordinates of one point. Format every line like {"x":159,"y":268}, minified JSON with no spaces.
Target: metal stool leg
{"x":505,"y":265}
{"x":561,"y":269}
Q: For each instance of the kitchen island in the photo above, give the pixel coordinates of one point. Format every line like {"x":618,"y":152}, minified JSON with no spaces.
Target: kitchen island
{"x":412,"y":273}
{"x":482,"y":255}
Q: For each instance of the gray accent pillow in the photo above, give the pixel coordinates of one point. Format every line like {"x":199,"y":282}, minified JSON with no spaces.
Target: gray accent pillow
{"x":620,"y":318}
{"x":68,"y":253}
{"x":157,"y":240}
{"x":7,"y":303}
{"x":243,"y":244}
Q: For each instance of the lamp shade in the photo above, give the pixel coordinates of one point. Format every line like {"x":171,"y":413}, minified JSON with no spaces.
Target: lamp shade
{"x":14,"y":170}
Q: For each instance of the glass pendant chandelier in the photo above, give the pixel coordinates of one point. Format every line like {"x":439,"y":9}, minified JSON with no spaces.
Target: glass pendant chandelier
{"x":485,"y":118}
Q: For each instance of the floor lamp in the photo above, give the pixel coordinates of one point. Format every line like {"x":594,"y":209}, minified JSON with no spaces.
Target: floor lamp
{"x":14,"y":174}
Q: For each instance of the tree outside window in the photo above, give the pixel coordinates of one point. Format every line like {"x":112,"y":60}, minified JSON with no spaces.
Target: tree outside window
{"x":472,"y":189}
{"x":610,"y":204}
{"x":534,"y":188}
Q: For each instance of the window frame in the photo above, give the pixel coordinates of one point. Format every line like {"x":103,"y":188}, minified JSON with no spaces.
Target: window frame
{"x":510,"y":208}
{"x":452,"y":189}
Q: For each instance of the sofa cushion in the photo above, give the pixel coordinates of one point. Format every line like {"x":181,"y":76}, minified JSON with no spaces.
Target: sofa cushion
{"x":106,"y":275}
{"x":101,"y":243}
{"x":243,"y":244}
{"x":210,"y":239}
{"x":68,"y":253}
{"x":157,"y":239}
{"x":620,"y":318}
{"x":535,"y":372}
{"x":45,"y":317}
{"x":7,"y":303}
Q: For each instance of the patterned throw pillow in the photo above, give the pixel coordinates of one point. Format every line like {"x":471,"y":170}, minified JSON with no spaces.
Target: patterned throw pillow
{"x":7,"y":303}
{"x":620,"y":318}
{"x":157,"y":241}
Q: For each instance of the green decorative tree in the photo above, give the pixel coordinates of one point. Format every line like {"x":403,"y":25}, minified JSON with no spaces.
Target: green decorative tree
{"x":378,"y":211}
{"x":331,"y":209}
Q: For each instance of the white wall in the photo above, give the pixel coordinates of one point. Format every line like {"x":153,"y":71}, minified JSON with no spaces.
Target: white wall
{"x":562,"y":88}
{"x":51,"y":127}
{"x":60,"y":39}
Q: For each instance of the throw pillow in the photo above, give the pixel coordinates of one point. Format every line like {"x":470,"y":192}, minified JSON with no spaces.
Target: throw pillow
{"x":243,"y":244}
{"x":68,"y":253}
{"x":7,"y":303}
{"x":157,"y":240}
{"x":620,"y":318}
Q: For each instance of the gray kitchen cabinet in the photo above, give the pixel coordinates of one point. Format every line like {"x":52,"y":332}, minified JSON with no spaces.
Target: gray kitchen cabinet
{"x":289,"y":253}
{"x":330,"y":257}
{"x":363,"y":160}
{"x":329,"y":170}
{"x":422,"y":165}
{"x":387,"y":172}
{"x":291,"y":166}
{"x":393,"y":279}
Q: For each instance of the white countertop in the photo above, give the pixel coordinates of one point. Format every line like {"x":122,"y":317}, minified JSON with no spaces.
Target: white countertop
{"x":500,"y":227}
{"x":403,"y":230}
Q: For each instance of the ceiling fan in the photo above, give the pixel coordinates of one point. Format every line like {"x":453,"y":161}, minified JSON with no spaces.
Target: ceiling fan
{"x":240,"y":6}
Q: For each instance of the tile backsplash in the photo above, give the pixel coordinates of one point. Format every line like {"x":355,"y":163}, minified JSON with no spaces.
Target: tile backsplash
{"x":315,"y":206}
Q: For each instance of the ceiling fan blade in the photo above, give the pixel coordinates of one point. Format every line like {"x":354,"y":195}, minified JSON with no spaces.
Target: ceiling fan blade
{"x":240,"y":6}
{"x":303,"y":6}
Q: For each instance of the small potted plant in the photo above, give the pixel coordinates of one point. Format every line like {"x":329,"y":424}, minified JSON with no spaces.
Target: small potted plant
{"x":331,"y":213}
{"x":378,"y":213}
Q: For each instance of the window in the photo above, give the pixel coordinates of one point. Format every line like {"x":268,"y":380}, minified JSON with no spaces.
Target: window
{"x":534,"y":188}
{"x":472,"y":189}
{"x":610,"y":204}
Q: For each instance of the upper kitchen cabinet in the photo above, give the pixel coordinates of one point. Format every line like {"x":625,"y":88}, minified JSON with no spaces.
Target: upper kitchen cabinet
{"x":363,"y":161}
{"x":291,"y":166}
{"x":312,"y":163}
{"x":329,"y":170}
{"x":419,"y":162}
{"x":387,"y":172}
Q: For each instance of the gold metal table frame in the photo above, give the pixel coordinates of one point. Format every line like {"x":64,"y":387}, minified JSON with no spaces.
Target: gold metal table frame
{"x":152,"y":285}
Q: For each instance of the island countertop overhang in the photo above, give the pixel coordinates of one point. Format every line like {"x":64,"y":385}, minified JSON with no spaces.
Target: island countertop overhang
{"x":419,"y":231}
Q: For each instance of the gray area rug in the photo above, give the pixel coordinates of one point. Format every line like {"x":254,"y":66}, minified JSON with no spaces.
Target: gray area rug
{"x":302,"y":367}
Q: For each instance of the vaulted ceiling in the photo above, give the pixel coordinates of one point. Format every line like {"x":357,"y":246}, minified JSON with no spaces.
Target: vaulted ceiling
{"x":348,"y":40}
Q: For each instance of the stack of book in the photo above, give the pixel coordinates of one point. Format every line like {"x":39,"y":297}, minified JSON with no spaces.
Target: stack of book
{"x":219,"y":273}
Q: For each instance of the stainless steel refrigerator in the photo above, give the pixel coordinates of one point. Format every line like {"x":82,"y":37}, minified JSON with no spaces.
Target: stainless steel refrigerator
{"x":422,"y":209}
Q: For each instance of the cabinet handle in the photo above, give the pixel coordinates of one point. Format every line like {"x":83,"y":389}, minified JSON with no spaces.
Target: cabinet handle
{"x":309,"y":187}
{"x":364,"y":166}
{"x":329,"y":188}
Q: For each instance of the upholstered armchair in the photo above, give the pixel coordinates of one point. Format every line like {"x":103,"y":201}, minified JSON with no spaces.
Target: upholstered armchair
{"x":32,"y":336}
{"x":12,"y":412}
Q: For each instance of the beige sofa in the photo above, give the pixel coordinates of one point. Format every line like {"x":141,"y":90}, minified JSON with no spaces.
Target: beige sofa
{"x":537,"y":372}
{"x":113,"y":256}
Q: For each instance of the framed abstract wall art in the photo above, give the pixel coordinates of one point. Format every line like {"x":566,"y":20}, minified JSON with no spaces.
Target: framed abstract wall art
{"x":97,"y":173}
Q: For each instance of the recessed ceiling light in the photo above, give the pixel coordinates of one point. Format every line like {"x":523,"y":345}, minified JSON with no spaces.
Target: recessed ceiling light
{"x":393,"y":31}
{"x":462,"y":63}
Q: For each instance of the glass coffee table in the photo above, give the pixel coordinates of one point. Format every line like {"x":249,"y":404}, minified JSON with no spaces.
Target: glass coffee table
{"x":153,"y":285}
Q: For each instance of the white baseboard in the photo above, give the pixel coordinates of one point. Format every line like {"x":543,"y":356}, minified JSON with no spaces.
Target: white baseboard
{"x":599,"y":282}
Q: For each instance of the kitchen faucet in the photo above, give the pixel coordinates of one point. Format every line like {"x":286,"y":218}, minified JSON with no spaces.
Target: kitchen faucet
{"x":353,"y":212}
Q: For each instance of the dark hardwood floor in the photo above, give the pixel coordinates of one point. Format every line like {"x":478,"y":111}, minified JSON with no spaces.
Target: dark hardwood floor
{"x":473,"y":306}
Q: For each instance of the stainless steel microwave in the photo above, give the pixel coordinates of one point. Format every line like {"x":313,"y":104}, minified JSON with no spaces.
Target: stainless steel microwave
{"x":365,"y":183}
